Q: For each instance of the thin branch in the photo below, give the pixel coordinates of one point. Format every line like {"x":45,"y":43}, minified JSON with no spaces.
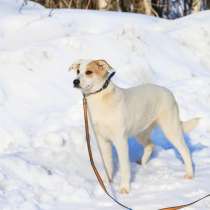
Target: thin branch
{"x":88,"y":4}
{"x":65,"y":3}
{"x":51,"y":11}
{"x":70,"y":3}
{"x":25,"y":2}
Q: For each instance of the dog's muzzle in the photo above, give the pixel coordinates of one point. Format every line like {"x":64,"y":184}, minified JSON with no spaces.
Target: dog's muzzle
{"x":76,"y":83}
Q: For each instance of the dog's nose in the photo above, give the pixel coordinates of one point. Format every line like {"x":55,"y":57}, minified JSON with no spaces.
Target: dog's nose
{"x":76,"y":82}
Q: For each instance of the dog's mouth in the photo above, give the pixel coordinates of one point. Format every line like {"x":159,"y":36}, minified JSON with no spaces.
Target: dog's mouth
{"x":77,"y":86}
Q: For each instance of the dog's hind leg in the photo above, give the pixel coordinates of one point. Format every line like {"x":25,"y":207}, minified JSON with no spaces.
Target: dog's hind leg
{"x":145,"y":140}
{"x":170,"y":124}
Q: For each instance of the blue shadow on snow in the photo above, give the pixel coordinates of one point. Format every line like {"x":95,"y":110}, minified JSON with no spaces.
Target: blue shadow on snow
{"x":158,"y":138}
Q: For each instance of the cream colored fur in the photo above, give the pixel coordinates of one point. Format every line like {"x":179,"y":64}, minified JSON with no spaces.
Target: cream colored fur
{"x":117,"y":113}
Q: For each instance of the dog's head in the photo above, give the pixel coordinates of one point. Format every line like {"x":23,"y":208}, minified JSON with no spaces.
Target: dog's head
{"x":91,"y":75}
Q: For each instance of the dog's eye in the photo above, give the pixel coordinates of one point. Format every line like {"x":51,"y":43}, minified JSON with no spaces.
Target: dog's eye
{"x":88,"y":72}
{"x":78,"y":71}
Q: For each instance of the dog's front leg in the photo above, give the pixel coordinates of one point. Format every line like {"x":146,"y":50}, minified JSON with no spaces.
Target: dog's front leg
{"x":123,"y":156}
{"x":106,"y":152}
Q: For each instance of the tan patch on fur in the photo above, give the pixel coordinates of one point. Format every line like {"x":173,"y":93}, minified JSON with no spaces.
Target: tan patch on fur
{"x":99,"y":67}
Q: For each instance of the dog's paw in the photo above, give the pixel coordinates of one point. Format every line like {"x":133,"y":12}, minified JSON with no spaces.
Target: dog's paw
{"x":124,"y":188}
{"x":189,"y":177}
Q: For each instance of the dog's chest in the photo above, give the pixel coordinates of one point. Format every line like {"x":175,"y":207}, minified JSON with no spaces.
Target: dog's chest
{"x":104,"y":118}
{"x":101,"y":115}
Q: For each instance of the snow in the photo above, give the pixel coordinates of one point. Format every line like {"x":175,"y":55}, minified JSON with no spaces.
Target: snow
{"x":43,"y":158}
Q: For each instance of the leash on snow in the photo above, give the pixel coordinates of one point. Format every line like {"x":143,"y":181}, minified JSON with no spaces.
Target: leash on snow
{"x":185,"y":205}
{"x":98,"y":176}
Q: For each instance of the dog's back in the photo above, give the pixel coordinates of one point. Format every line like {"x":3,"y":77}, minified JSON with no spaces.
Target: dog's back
{"x":145,"y":102}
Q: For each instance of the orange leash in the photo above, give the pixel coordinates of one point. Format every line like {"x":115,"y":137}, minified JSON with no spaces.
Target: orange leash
{"x":186,"y":205}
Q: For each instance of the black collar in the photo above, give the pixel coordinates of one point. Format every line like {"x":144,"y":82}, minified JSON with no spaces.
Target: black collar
{"x":105,"y":85}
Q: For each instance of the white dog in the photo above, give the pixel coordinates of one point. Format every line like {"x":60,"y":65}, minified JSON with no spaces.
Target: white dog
{"x":117,"y":113}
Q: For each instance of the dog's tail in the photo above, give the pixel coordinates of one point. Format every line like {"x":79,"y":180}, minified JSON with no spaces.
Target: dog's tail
{"x":190,"y":124}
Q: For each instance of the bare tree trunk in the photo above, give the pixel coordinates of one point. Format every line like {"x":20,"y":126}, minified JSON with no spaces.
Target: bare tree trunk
{"x":208,"y":4}
{"x":112,"y":5}
{"x":148,"y":7}
{"x":196,"y":5}
{"x":101,"y":4}
{"x":125,"y":5}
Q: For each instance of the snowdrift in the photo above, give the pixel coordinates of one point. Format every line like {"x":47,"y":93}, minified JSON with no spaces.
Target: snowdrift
{"x":43,"y":157}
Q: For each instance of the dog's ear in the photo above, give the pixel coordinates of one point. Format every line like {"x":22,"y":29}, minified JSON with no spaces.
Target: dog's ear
{"x":100,"y":67}
{"x":103,"y":65}
{"x":74,"y":66}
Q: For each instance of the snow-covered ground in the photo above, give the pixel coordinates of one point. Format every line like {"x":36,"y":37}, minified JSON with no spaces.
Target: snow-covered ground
{"x":43,"y":157}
